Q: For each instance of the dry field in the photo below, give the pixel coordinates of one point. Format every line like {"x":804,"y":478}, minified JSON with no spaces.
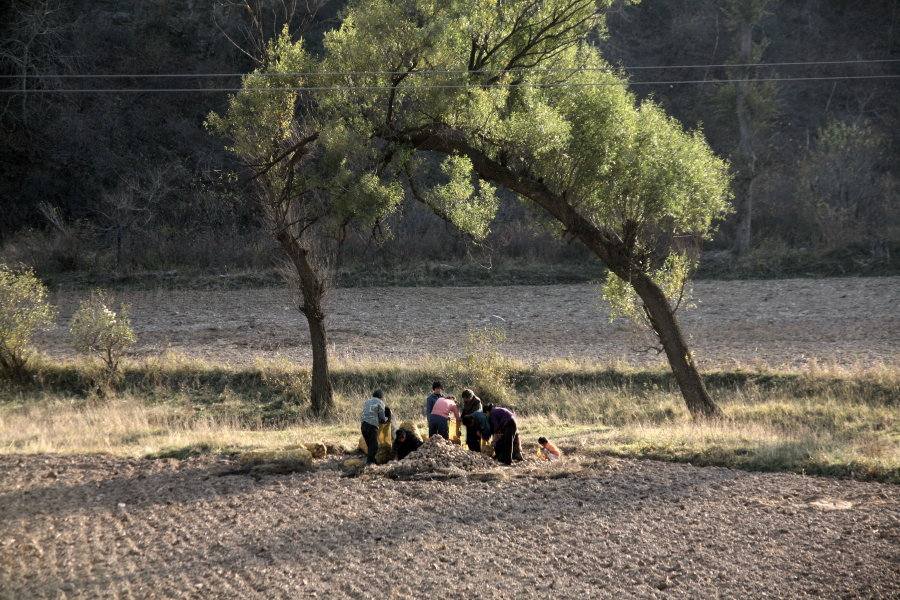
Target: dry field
{"x":783,"y":325}
{"x":106,"y":527}
{"x":95,"y":526}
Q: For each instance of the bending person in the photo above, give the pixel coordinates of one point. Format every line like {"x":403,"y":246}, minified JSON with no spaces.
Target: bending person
{"x":439,"y":419}
{"x":507,"y":446}
{"x":471,"y":404}
{"x":405,"y":442}
{"x":477,"y":428}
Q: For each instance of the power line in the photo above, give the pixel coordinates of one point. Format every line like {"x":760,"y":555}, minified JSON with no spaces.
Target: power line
{"x":611,"y":68}
{"x":435,"y":86}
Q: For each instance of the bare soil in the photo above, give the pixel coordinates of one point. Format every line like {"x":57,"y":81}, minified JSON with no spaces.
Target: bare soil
{"x":779,"y":324}
{"x":107,"y":527}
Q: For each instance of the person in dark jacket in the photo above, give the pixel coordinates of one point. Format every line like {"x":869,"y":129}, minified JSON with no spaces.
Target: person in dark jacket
{"x":507,"y":446}
{"x":478,"y":426}
{"x":437,"y":391}
{"x":471,"y":403}
{"x":405,"y":442}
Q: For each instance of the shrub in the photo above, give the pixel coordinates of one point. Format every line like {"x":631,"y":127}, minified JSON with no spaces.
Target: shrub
{"x":24,"y":309}
{"x":483,"y":367}
{"x":291,"y":381}
{"x":97,"y":329}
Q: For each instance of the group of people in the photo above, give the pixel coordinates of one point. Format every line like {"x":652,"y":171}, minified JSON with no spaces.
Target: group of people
{"x":484,"y":423}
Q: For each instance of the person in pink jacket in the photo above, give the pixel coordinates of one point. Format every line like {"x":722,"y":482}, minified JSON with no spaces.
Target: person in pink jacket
{"x":439,"y":419}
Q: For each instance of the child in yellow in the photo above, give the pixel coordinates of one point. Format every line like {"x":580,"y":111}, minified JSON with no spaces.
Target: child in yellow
{"x":549,"y":450}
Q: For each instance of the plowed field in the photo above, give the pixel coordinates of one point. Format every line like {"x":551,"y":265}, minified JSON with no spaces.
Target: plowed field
{"x":784,"y":324}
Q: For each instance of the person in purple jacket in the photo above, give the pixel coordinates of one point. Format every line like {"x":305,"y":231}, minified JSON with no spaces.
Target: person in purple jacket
{"x":507,"y":446}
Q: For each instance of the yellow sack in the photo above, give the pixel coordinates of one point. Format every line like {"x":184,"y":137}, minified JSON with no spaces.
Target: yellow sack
{"x":385,"y":435}
{"x":385,"y":440}
{"x":410,"y":426}
{"x":289,"y":454}
{"x":317,"y":449}
{"x":453,"y":428}
{"x":486,"y":448}
{"x":385,"y":443}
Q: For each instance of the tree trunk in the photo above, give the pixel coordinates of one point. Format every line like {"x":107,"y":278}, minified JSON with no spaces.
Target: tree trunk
{"x":312,"y":289}
{"x":744,"y":209}
{"x":747,"y":163}
{"x":321,"y":392}
{"x":665,"y":325}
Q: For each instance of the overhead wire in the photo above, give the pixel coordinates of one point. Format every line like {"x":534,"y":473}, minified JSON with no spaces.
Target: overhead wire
{"x":610,"y":68}
{"x":438,"y":86}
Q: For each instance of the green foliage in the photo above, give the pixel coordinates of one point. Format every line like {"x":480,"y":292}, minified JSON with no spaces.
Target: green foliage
{"x":464,"y":201}
{"x":24,"y":309}
{"x":625,"y":166}
{"x":310,"y":167}
{"x":633,"y":172}
{"x":483,"y":367}
{"x":672,"y":277}
{"x":96,"y":329}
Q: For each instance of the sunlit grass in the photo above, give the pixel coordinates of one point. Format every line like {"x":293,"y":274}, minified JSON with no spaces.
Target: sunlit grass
{"x":832,"y":421}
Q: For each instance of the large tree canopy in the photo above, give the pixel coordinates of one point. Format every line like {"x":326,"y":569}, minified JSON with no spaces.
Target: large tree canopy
{"x":513,"y":94}
{"x":315,"y":179}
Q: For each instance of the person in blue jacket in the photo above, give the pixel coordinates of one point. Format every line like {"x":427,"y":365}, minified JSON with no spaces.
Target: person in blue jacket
{"x":437,"y":391}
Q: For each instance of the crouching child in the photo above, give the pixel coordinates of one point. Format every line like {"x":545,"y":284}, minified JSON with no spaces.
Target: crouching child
{"x":405,"y":442}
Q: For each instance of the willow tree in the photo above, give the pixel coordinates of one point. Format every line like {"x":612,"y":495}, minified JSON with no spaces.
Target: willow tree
{"x":512,"y":93}
{"x":315,"y":180}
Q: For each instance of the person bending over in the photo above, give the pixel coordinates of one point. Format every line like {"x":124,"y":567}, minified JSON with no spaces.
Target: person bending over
{"x":507,"y":446}
{"x":549,"y":449}
{"x":439,"y":419}
{"x":404,"y":444}
{"x":471,"y":404}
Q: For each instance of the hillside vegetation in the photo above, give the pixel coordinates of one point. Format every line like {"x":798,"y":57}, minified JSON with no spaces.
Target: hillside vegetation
{"x":107,"y":182}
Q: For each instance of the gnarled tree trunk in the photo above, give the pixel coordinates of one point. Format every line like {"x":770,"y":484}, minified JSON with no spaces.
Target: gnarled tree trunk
{"x":665,"y":325}
{"x":607,"y":248}
{"x":312,"y":289}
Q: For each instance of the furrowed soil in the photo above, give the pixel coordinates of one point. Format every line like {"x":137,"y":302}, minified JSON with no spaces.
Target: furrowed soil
{"x":107,"y":527}
{"x":111,"y":527}
{"x":779,"y":324}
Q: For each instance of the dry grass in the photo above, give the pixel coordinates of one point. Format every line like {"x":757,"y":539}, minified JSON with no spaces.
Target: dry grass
{"x":130,"y":426}
{"x":831,"y":421}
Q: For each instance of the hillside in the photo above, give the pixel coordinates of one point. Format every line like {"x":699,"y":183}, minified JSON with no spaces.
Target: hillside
{"x":124,"y":180}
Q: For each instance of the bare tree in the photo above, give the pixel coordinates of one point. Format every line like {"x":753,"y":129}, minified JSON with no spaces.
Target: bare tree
{"x":753,"y":106}
{"x":30,"y":46}
{"x":129,"y":208}
{"x":255,"y":22}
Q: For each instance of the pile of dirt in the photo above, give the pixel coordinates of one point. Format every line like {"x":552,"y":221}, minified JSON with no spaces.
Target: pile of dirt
{"x":438,"y":457}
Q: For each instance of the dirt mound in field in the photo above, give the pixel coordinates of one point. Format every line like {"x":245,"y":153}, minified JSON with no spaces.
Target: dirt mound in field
{"x":438,"y":457}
